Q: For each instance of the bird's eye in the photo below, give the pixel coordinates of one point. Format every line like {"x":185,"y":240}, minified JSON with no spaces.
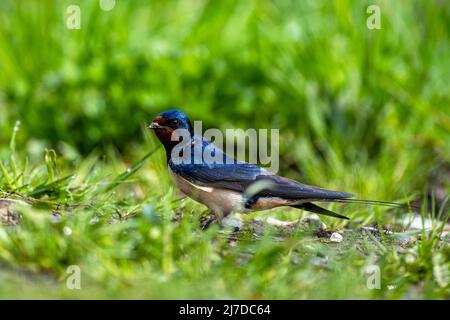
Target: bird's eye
{"x":174,"y":122}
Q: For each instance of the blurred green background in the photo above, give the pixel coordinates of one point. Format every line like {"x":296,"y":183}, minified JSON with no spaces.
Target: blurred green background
{"x":359,"y":110}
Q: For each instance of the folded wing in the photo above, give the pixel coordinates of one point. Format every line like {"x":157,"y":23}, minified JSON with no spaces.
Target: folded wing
{"x":239,"y":176}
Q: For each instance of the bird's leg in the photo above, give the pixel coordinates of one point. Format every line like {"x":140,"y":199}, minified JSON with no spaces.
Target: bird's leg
{"x":207,"y":218}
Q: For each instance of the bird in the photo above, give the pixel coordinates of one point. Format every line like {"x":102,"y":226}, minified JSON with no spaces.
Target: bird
{"x":229,"y":186}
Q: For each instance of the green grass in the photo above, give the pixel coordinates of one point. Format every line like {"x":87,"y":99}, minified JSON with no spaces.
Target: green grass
{"x":363,"y":111}
{"x":124,"y":240}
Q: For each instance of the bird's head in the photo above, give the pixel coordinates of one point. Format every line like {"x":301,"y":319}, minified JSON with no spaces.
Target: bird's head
{"x":167,"y":122}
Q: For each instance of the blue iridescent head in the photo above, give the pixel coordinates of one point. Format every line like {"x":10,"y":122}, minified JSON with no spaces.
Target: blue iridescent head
{"x":167,"y":122}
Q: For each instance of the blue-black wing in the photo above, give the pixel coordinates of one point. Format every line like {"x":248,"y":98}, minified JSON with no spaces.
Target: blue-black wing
{"x":239,"y":176}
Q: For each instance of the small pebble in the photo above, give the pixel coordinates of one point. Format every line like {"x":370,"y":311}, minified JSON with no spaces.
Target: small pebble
{"x":319,"y":261}
{"x":410,"y":258}
{"x":336,"y":237}
{"x":391,"y":287}
{"x":67,"y":231}
{"x":313,"y":221}
{"x":94,"y":220}
{"x":8,"y":213}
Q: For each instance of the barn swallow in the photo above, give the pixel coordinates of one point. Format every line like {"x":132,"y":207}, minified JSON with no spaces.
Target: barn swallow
{"x":234,"y":186}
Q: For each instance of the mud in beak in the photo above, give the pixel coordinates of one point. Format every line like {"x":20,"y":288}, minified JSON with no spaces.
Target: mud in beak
{"x":156,"y":125}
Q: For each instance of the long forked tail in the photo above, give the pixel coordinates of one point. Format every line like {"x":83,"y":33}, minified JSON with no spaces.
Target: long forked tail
{"x":319,"y":210}
{"x":406,"y":206}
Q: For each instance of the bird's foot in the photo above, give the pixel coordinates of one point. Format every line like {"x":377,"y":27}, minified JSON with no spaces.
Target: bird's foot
{"x":206,"y":221}
{"x":234,"y":222}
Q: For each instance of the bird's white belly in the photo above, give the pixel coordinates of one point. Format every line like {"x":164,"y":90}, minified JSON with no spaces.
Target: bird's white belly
{"x":220,"y":201}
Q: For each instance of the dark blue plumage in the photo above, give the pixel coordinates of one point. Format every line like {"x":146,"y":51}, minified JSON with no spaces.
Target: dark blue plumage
{"x":227,"y":186}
